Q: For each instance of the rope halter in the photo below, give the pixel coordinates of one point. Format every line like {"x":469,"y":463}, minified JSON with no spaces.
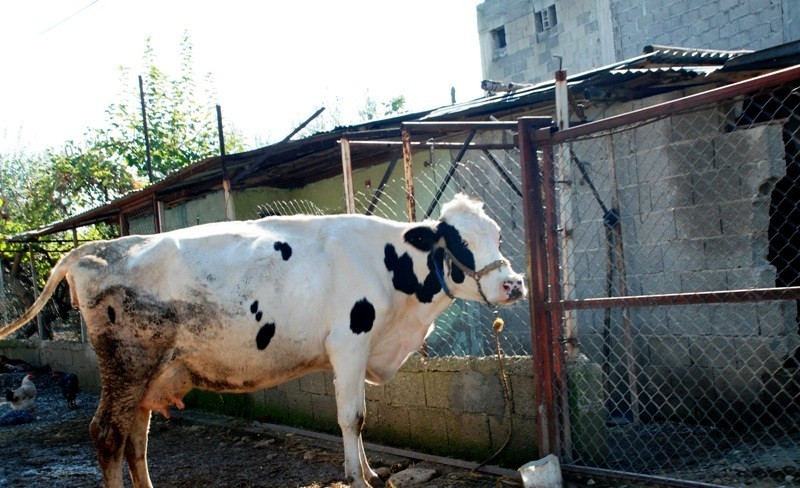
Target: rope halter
{"x":475,"y":275}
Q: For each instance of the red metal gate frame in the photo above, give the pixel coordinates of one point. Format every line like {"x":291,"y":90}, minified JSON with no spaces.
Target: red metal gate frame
{"x":546,"y":303}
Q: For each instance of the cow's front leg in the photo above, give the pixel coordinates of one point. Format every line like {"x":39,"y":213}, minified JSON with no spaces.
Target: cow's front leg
{"x":349,"y":368}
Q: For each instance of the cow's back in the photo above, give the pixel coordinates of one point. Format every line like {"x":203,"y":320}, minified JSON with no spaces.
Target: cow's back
{"x":240,"y":305}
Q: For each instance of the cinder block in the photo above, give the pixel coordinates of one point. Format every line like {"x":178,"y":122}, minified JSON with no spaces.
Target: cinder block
{"x":323,"y":408}
{"x":710,"y":352}
{"x":761,"y":352}
{"x":699,"y":221}
{"x":740,"y":147}
{"x":428,"y":430}
{"x":407,"y":389}
{"x":387,"y":421}
{"x":468,"y":429}
{"x":471,"y":392}
{"x":523,"y":395}
{"x":300,"y":403}
{"x":313,"y":383}
{"x":436,"y":384}
{"x":670,"y":351}
{"x":739,"y":384}
{"x":376,"y":393}
{"x":776,"y":319}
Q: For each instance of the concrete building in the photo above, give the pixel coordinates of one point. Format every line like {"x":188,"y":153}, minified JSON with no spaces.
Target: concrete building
{"x":520,"y":39}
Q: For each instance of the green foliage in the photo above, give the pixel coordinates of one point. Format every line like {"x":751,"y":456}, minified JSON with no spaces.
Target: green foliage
{"x":393,"y":106}
{"x":181,"y":118}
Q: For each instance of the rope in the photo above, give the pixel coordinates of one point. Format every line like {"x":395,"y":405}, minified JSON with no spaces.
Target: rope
{"x":497,"y":327}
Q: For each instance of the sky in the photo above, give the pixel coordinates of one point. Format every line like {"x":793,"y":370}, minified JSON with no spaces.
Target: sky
{"x":273,"y":64}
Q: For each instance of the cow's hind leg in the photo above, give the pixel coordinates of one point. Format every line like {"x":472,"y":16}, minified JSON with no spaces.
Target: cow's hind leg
{"x":136,"y":449}
{"x":109,"y":429}
{"x":349,"y":361}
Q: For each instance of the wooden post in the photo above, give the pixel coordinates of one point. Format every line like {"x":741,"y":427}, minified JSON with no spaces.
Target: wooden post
{"x":146,"y":133}
{"x":3,"y":298}
{"x":35,"y":289}
{"x":411,"y":206}
{"x":230,"y":211}
{"x":347,"y":172}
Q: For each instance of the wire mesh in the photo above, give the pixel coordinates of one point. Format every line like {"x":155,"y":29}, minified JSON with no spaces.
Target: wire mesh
{"x":704,"y":200}
{"x":465,"y":329}
{"x":141,"y":221}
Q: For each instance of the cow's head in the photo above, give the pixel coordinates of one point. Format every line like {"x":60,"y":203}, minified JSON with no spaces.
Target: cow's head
{"x":464,"y":251}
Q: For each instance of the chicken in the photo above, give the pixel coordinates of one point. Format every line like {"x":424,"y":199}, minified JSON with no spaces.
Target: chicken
{"x":24,"y":396}
{"x":69,"y":387}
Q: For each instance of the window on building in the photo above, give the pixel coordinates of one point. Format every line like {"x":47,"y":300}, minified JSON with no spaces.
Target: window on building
{"x":546,"y":19}
{"x":499,"y":38}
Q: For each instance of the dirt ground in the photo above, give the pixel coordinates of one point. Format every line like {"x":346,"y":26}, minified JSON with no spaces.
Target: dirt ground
{"x":195,"y":449}
{"x":192,"y":451}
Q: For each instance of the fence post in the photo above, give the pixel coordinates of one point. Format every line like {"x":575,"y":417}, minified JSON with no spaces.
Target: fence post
{"x":411,"y":206}
{"x":546,"y":411}
{"x":3,"y":298}
{"x":35,"y":289}
{"x":347,"y":172}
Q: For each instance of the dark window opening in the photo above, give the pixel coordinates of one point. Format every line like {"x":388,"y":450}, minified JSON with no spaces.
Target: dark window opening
{"x":499,"y":38}
{"x":546,"y":19}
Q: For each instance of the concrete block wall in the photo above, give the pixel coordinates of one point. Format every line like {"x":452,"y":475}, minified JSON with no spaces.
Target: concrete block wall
{"x":694,"y":203}
{"x":594,"y":34}
{"x":72,"y":356}
{"x":448,"y":405}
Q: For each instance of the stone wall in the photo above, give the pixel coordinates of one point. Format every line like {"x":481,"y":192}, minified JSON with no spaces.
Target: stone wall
{"x":694,"y":201}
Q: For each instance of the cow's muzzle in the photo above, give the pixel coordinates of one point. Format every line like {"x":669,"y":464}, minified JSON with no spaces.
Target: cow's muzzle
{"x":477,"y":275}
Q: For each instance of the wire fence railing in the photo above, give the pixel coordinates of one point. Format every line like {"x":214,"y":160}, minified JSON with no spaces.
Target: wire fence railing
{"x":677,"y":239}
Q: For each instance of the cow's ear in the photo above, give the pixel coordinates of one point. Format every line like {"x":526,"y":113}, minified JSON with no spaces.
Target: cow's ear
{"x":422,"y":237}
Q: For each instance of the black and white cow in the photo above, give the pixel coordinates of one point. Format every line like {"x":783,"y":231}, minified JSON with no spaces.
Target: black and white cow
{"x":240,"y":306}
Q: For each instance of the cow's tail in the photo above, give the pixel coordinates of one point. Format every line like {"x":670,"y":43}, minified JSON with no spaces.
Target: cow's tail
{"x":56,"y":275}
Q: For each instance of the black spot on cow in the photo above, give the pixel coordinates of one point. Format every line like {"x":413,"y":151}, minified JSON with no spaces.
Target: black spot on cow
{"x":405,"y":280}
{"x":112,"y":314}
{"x":425,"y":238}
{"x":402,"y":268}
{"x":254,"y":307}
{"x":285,"y":249}
{"x":258,"y":316}
{"x":455,"y":243}
{"x":362,"y":316}
{"x":264,"y":335}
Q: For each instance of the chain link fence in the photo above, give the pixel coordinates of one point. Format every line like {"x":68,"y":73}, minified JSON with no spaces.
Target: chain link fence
{"x":465,"y":329}
{"x":698,"y":379}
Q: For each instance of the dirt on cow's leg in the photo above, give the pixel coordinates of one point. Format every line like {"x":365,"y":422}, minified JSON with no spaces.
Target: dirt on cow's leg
{"x":108,"y":437}
{"x":136,"y":449}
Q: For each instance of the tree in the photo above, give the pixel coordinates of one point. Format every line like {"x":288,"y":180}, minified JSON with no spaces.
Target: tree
{"x":38,"y":189}
{"x":181,"y":118}
{"x":393,"y":106}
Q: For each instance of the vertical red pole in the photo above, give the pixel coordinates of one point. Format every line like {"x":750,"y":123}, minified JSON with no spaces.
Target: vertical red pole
{"x":555,"y":310}
{"x":541,"y":338}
